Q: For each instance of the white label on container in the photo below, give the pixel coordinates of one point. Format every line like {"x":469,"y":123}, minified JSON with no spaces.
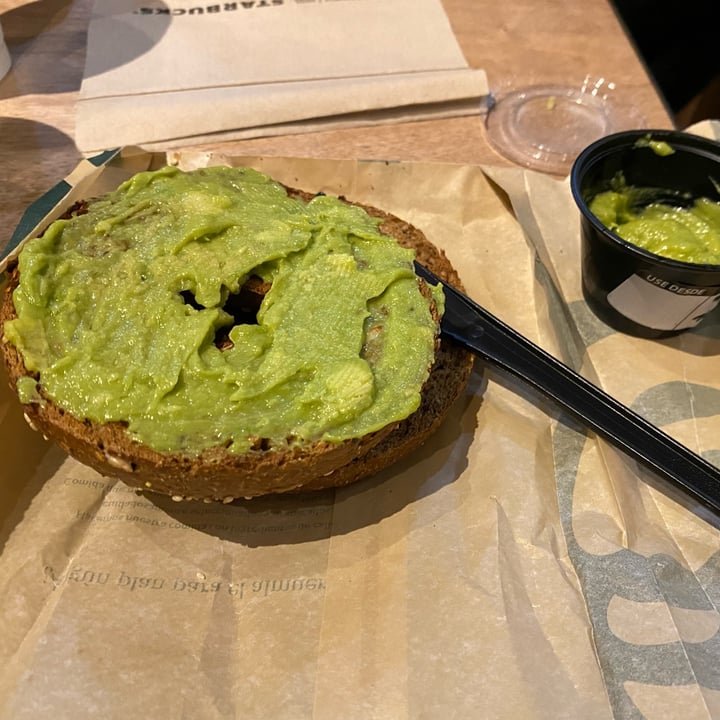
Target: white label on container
{"x":661,"y":304}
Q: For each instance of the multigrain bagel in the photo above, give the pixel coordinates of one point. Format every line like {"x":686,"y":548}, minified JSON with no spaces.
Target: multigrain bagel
{"x":214,"y":473}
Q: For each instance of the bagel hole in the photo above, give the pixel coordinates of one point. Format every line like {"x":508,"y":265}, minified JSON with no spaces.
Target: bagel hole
{"x":243,"y":307}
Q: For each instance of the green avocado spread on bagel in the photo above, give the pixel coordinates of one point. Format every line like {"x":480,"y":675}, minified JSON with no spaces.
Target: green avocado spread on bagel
{"x":138,"y":311}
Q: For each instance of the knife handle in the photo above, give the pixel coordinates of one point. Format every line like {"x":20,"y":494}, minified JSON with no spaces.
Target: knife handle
{"x":473,"y":326}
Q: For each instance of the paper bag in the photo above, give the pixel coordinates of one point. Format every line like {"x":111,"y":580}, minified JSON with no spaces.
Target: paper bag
{"x":173,"y":70}
{"x":515,"y":567}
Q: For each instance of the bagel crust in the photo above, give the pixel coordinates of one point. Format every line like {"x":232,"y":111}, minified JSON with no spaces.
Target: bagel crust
{"x":215,"y":473}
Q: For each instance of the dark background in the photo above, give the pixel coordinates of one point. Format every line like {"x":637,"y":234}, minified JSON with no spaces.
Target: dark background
{"x":679,"y":43}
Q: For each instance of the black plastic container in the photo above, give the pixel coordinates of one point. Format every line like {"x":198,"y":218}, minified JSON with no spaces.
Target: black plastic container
{"x":631,"y":289}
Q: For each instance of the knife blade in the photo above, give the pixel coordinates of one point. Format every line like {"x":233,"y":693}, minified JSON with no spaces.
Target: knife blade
{"x":471,"y":325}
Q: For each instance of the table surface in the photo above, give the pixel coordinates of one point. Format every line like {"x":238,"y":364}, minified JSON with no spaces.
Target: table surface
{"x":517,"y":43}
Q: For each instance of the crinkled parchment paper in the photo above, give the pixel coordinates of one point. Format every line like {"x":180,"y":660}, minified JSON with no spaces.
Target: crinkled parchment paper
{"x":515,"y":567}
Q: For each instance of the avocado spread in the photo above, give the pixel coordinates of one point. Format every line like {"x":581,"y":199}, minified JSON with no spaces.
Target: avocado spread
{"x":690,"y":234}
{"x":659,"y":147}
{"x":119,"y":311}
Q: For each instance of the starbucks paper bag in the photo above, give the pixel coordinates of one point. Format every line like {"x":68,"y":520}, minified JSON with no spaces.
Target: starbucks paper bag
{"x":174,"y":71}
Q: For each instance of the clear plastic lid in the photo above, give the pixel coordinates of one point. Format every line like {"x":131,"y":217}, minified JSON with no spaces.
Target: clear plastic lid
{"x":545,"y":127}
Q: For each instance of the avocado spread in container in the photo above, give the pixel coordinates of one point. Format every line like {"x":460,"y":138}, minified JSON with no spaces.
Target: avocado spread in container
{"x":119,"y":311}
{"x":688,"y":233}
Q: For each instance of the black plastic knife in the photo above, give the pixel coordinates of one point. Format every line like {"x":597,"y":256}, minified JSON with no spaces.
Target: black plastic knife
{"x":488,"y":337}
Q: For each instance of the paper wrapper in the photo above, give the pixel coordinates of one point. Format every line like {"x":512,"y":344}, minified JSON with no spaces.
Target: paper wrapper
{"x":160,"y":73}
{"x":515,"y":567}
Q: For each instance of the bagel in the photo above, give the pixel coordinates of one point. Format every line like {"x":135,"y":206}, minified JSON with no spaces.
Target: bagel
{"x":83,"y":346}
